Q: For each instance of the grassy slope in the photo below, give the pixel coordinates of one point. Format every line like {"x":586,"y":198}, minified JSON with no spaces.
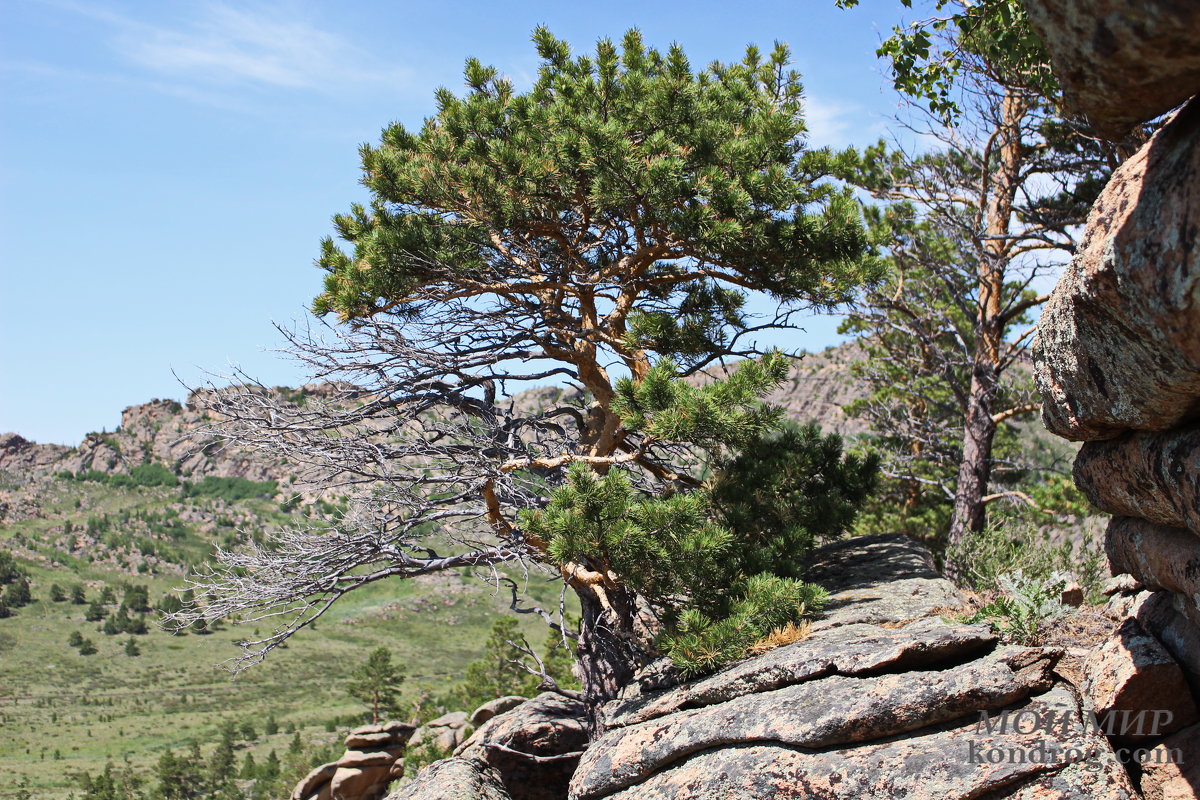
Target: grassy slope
{"x":109,"y":705}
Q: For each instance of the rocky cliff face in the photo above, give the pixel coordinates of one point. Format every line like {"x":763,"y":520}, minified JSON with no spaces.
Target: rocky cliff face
{"x":165,"y":432}
{"x":1118,"y":354}
{"x":161,"y":431}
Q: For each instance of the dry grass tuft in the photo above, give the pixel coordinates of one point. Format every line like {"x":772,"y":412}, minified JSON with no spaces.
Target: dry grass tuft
{"x":780,"y":636}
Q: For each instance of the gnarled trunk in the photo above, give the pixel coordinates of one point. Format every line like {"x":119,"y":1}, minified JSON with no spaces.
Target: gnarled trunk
{"x":610,"y":650}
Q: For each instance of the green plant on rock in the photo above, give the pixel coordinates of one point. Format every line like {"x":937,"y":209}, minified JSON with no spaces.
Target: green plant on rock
{"x":1026,"y":604}
{"x":720,"y":566}
{"x":1018,"y":543}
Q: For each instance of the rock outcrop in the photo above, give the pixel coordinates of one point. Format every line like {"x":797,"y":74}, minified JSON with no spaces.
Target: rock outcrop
{"x":1153,"y":476}
{"x":1133,"y":672}
{"x":884,"y":698}
{"x":1118,"y":344}
{"x":526,"y":753}
{"x":1117,"y":355}
{"x":1121,"y":63}
{"x":19,"y":454}
{"x":374,"y":758}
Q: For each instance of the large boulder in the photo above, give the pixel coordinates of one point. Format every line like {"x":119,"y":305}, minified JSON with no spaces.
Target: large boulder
{"x":526,"y":753}
{"x":1152,"y":476}
{"x":1121,"y":63}
{"x":856,"y":649}
{"x":884,"y":698}
{"x":1118,"y":342}
{"x":1171,"y":771}
{"x":1163,"y":614}
{"x":1131,"y":673}
{"x":879,"y":578}
{"x":445,"y":733}
{"x":946,"y":762}
{"x":814,"y":715}
{"x":374,"y":758}
{"x":1158,"y":556}
{"x":494,"y":707}
{"x":534,"y":748}
{"x":454,"y":779}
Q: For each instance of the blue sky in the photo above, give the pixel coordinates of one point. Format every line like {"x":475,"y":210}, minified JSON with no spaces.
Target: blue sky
{"x":168,"y":168}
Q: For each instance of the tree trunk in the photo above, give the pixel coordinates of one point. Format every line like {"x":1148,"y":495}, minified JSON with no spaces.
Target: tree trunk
{"x":975,"y":468}
{"x":995,"y":252}
{"x":611,"y":649}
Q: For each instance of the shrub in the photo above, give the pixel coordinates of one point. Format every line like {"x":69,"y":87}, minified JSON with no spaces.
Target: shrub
{"x":1016,"y":544}
{"x":229,"y":489}
{"x":151,"y":474}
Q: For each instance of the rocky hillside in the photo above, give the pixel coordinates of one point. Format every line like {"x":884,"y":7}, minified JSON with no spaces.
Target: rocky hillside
{"x":165,"y":432}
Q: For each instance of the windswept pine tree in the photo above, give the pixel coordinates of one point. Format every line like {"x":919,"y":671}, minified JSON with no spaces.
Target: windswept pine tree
{"x":603,"y":230}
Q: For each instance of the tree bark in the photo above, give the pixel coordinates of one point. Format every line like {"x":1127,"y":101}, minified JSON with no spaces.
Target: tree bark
{"x":975,"y":468}
{"x":611,"y":649}
{"x":995,"y":249}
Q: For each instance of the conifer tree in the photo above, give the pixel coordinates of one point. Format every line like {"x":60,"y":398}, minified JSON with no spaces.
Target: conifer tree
{"x":614,"y":219}
{"x":1012,"y":183}
{"x":57,"y":594}
{"x":498,"y":672}
{"x":95,"y":612}
{"x":78,"y":594}
{"x":17,"y":593}
{"x":377,"y":683}
{"x":270,"y":769}
{"x":249,"y":769}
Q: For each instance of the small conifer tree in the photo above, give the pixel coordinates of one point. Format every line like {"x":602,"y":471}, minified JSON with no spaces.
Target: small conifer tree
{"x":377,"y":683}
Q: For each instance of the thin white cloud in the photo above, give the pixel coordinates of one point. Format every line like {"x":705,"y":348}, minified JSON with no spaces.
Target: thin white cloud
{"x":833,"y":124}
{"x":270,"y":46}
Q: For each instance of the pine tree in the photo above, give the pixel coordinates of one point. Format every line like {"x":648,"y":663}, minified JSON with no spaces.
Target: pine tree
{"x":618,"y":215}
{"x":222,"y":764}
{"x":377,"y":683}
{"x":95,"y":612}
{"x":107,"y":595}
{"x":131,"y":648}
{"x":78,"y":594}
{"x":270,"y":769}
{"x":179,"y":776}
{"x":498,"y":673}
{"x":17,"y":594}
{"x":9,"y":571}
{"x":249,"y":769}
{"x":87,"y":647}
{"x":170,"y":603}
{"x":75,"y":639}
{"x":137,"y":598}
{"x":271,"y":726}
{"x":1013,"y":182}
{"x":57,"y":594}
